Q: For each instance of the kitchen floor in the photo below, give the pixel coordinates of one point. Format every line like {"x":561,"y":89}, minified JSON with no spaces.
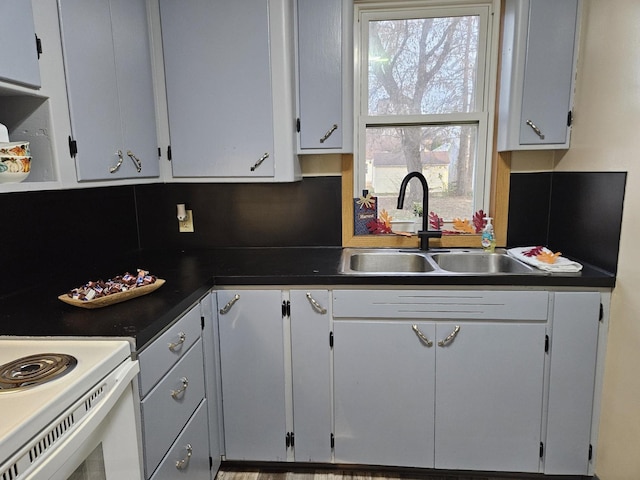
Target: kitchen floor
{"x":349,"y":473}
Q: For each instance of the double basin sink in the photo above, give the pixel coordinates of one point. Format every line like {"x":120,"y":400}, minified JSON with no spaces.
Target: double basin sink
{"x":384,"y":261}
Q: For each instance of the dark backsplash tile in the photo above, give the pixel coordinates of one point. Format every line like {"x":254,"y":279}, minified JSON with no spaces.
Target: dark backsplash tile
{"x":529,"y":197}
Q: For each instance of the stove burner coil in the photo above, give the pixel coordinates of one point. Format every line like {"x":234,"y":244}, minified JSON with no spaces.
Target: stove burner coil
{"x":35,"y":370}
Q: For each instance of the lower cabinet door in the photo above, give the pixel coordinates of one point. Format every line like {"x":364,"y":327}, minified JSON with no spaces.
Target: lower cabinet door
{"x":384,"y":377}
{"x":188,"y":457}
{"x":489,"y":386}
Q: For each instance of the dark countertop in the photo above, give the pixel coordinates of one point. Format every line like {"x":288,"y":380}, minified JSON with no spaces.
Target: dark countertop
{"x":190,"y":275}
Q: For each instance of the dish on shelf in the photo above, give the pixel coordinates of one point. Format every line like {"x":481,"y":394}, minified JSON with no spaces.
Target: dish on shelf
{"x":14,"y":168}
{"x":114,"y":298}
{"x":15,"y":148}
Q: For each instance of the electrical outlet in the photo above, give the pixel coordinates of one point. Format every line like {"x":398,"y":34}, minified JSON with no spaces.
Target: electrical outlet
{"x":186,"y":225}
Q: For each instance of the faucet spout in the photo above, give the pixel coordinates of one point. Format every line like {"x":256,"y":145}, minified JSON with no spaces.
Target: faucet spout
{"x":425,"y":233}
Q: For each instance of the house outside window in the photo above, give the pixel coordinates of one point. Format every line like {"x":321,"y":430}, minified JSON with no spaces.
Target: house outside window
{"x":425,"y":81}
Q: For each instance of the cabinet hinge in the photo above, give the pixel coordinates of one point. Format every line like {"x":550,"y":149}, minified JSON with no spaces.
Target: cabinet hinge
{"x":287,"y":439}
{"x":298,"y":125}
{"x":159,"y":152}
{"x":569,"y":118}
{"x":210,"y":463}
{"x":541,"y":449}
{"x":202,"y":322}
{"x":38,"y":47}
{"x":333,"y":441}
{"x":331,"y":339}
{"x":601,"y":316}
{"x":286,"y":308}
{"x":546,"y":343}
{"x":169,"y":153}
{"x":590,"y":451}
{"x":73,"y":147}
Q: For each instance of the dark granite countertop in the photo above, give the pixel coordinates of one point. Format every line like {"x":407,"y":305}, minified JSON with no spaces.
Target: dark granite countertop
{"x":190,"y":275}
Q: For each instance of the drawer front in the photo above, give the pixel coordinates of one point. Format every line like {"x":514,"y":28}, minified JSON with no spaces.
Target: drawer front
{"x":169,"y":405}
{"x":163,"y":353}
{"x":441,"y":304}
{"x":194,"y":440}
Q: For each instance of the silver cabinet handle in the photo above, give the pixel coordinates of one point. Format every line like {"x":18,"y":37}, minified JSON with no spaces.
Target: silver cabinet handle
{"x":176,"y":345}
{"x":333,"y":128}
{"x":136,"y":161}
{"x":317,"y":307}
{"x":535,"y":129}
{"x":224,"y":310}
{"x":450,"y":338}
{"x":116,"y":167}
{"x":260,"y":160}
{"x":176,"y":393}
{"x":422,"y":336}
{"x":182,"y":464}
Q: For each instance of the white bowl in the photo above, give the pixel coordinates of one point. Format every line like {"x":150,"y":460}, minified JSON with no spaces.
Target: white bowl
{"x":14,"y":168}
{"x":408,"y":226}
{"x":14,"y":148}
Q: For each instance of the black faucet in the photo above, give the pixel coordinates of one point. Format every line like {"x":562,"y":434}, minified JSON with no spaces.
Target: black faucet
{"x":425,"y":234}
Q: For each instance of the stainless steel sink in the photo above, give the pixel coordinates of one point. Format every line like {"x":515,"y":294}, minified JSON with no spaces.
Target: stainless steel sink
{"x":481,"y":262}
{"x":385,"y":261}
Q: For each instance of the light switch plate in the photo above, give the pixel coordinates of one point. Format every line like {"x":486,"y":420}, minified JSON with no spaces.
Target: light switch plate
{"x":186,"y":225}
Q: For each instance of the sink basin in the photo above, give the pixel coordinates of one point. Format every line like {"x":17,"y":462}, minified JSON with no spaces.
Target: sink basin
{"x":383,"y":261}
{"x":481,"y":262}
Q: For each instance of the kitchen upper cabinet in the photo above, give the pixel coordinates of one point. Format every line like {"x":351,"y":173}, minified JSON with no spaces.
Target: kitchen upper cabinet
{"x":538,"y":73}
{"x":19,"y":53}
{"x":324,"y":78}
{"x":110,"y":87}
{"x":229,"y":81}
{"x":253,"y":374}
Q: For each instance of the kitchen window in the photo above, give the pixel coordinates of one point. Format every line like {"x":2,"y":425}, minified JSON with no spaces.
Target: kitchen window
{"x":425,"y":76}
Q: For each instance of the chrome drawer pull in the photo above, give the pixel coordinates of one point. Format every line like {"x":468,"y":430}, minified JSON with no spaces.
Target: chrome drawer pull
{"x":116,"y":167}
{"x":535,"y":129}
{"x":176,"y":345}
{"x":224,"y":310}
{"x":176,"y":393}
{"x":260,"y":160}
{"x":450,"y":338}
{"x":422,"y":336}
{"x":318,"y":308}
{"x":182,"y":464}
{"x":136,"y":160}
{"x":329,"y":132}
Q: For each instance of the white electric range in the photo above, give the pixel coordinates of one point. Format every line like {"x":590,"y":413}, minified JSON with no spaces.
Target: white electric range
{"x":67,"y":403}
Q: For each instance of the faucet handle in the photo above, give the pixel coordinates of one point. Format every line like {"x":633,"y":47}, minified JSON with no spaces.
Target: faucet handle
{"x":425,"y":235}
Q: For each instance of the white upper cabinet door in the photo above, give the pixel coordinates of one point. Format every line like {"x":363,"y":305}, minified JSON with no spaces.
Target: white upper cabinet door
{"x":228,"y":68}
{"x":18,"y":54}
{"x":489,"y":385}
{"x":538,"y":65}
{"x":110,"y":88}
{"x":320,"y":74}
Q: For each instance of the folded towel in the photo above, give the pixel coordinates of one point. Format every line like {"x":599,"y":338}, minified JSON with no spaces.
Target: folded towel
{"x":561,"y":265}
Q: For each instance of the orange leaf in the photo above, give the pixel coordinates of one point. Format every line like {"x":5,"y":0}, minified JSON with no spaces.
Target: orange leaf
{"x":548,"y":257}
{"x":463,"y":225}
{"x":386,"y":218}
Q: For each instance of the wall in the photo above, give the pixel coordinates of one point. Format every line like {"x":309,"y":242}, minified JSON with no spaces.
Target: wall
{"x":606,"y":137}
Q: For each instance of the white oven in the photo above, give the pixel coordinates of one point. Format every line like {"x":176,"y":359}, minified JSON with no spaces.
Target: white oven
{"x":68,"y":410}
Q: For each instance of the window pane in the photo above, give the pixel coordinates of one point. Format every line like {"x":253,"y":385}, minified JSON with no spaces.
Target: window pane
{"x":446,"y":156}
{"x":423,"y":66}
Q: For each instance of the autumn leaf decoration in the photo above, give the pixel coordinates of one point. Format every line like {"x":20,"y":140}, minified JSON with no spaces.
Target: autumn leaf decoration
{"x":543,"y":254}
{"x":435,"y":222}
{"x":463,"y":225}
{"x":479,"y":222}
{"x":380,"y":225}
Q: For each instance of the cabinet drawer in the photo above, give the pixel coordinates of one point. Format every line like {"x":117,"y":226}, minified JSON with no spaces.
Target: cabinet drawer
{"x":193,"y":436}
{"x":167,"y":407}
{"x":441,"y":304}
{"x":157,"y":359}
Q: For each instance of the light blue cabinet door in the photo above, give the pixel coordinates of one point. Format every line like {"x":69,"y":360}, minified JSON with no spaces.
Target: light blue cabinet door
{"x":18,"y":54}
{"x":311,"y":364}
{"x":546,"y":97}
{"x":384,"y":377}
{"x":253,"y":380}
{"x":218,"y":77}
{"x":320,"y":73}
{"x":489,"y":387}
{"x":110,"y":87}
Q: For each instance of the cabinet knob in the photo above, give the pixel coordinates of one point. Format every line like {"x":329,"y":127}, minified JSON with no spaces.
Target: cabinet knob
{"x":535,"y":129}
{"x":224,"y":310}
{"x":116,"y":167}
{"x":422,"y":336}
{"x":176,"y":393}
{"x":316,"y":306}
{"x":450,"y":338}
{"x":259,"y":162}
{"x":333,"y":128}
{"x":136,"y":161}
{"x":182,"y":337}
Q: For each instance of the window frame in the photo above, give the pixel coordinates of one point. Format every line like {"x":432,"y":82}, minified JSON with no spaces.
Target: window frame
{"x":495,"y":168}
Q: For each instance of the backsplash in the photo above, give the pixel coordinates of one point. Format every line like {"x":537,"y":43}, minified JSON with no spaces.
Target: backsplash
{"x":46,"y":234}
{"x":577,"y":213}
